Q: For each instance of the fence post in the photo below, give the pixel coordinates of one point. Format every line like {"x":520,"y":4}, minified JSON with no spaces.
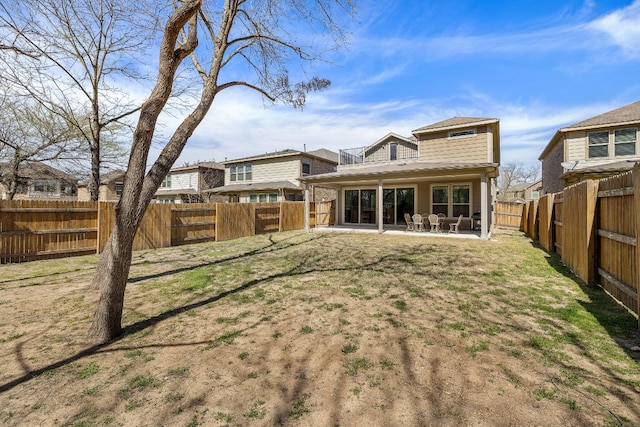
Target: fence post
{"x":636,"y":214}
{"x":592,"y":232}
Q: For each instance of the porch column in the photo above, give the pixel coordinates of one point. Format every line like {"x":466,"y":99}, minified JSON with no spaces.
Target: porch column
{"x":484,"y":207}
{"x":379,"y":207}
{"x":307,"y":208}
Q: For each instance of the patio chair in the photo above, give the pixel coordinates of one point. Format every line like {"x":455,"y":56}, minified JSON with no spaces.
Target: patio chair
{"x":434,"y":221}
{"x":417,"y":222}
{"x":409,"y":221}
{"x":453,"y":227}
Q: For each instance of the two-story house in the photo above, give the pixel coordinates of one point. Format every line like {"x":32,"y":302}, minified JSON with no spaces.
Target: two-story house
{"x":595,"y":148}
{"x":444,"y":168}
{"x":37,"y":181}
{"x":189,"y":183}
{"x":110,"y":190}
{"x":273,"y":177}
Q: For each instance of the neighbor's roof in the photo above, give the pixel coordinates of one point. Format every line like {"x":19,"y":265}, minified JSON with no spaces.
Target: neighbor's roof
{"x":176,"y":192}
{"x":258,"y":186}
{"x":208,"y":165}
{"x":455,"y":123}
{"x":37,"y":170}
{"x":626,"y":115}
{"x":322,"y":154}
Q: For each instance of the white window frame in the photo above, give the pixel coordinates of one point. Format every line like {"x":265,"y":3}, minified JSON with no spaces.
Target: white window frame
{"x":450,"y":203}
{"x":600,"y":144}
{"x":166,"y":182}
{"x":616,"y":143}
{"x":303,"y":164}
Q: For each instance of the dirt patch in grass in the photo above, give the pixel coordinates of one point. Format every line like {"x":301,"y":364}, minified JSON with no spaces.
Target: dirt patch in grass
{"x":321,"y":329}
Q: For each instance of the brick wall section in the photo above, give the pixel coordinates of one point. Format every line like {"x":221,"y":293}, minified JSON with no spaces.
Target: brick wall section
{"x":552,"y":169}
{"x":323,"y":194}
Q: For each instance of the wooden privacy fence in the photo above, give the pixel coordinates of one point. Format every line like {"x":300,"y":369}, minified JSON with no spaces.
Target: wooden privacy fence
{"x":594,"y":227}
{"x":32,"y":230}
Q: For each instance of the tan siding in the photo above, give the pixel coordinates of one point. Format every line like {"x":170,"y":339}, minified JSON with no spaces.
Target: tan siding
{"x":576,"y":144}
{"x":285,"y":169}
{"x":381,"y":153}
{"x":438,"y":147}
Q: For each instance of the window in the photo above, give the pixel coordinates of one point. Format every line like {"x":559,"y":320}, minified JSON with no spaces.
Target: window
{"x":262,"y":197}
{"x":451,"y":200}
{"x":396,"y":202}
{"x":393,"y":151}
{"x":460,"y":200}
{"x":360,"y":206}
{"x":44,"y":186}
{"x":625,"y":142}
{"x":306,"y":168}
{"x":253,"y":198}
{"x":462,"y":133}
{"x":440,"y":199}
{"x":598,"y":144}
{"x":166,"y":182}
{"x":240,"y":173}
{"x":273,"y":197}
{"x":119,"y":188}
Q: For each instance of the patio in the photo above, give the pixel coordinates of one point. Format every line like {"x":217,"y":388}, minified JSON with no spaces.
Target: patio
{"x":397,"y":230}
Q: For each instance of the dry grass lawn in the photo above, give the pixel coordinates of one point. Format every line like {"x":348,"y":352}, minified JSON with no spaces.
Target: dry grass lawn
{"x":321,"y":329}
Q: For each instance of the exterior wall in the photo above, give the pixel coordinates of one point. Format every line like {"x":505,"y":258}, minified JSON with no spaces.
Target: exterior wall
{"x":439,"y":147}
{"x":183,"y":180}
{"x":323,"y":194}
{"x":576,"y":146}
{"x":552,"y":169}
{"x":269,"y":170}
{"x":318,"y":166}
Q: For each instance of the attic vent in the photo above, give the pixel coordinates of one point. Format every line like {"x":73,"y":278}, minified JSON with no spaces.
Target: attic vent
{"x":462,"y":133}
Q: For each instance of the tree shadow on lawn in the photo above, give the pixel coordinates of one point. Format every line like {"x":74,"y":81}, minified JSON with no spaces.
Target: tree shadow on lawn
{"x":297,"y":270}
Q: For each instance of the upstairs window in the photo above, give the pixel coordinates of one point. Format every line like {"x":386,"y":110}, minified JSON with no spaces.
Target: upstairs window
{"x":625,"y":142}
{"x":166,"y":182}
{"x":598,"y":144}
{"x":119,"y":188}
{"x":240,"y":173}
{"x":306,"y":168}
{"x":393,"y":151}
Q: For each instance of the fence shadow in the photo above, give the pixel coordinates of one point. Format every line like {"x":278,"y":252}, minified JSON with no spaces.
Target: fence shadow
{"x":620,"y":324}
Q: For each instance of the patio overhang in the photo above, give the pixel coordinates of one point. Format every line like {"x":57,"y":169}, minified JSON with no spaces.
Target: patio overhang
{"x":403,"y":172}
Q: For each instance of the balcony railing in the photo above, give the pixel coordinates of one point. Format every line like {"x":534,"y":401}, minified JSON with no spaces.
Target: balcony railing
{"x":359,"y":155}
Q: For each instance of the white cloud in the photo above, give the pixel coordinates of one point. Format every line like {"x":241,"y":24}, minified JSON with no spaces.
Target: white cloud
{"x":622,"y":27}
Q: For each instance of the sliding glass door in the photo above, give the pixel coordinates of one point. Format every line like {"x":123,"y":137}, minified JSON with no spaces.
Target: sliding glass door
{"x":360,"y":206}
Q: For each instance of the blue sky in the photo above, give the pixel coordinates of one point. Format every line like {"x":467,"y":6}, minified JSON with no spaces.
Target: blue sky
{"x":535,"y":65}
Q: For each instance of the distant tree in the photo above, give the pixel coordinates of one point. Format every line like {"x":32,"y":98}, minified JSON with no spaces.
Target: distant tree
{"x":513,"y":173}
{"x":69,"y":56}
{"x":245,"y":43}
{"x":30,"y":133}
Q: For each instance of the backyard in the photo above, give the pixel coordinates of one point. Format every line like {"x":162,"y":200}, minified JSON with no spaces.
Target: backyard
{"x":321,"y":329}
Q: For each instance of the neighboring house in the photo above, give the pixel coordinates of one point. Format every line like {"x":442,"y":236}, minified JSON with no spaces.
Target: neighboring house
{"x":111,"y":185}
{"x":273,"y":177}
{"x":189,"y":184}
{"x":446,"y":167}
{"x":595,"y":148}
{"x":38,"y":181}
{"x":523,"y":192}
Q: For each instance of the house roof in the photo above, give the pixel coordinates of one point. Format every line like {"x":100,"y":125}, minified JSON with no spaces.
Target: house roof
{"x":208,"y":165}
{"x":455,"y":123}
{"x":613,"y":167}
{"x":176,"y":192}
{"x":392,"y":136}
{"x":362,"y":171}
{"x":258,"y":186}
{"x":116,"y":175}
{"x":322,"y":154}
{"x":38,"y":170}
{"x":626,"y":115}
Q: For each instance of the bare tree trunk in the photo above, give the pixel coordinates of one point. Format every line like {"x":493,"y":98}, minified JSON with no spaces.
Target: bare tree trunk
{"x":113,"y":269}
